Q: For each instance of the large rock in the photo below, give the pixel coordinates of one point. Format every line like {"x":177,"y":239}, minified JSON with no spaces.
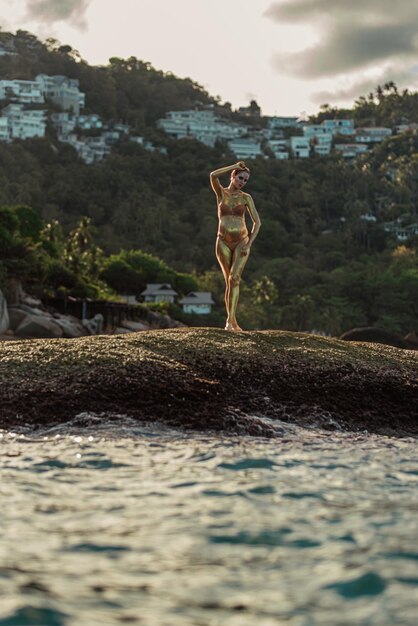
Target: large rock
{"x":34,"y":310}
{"x":121,"y":331}
{"x":134,"y":326}
{"x":16,"y":316}
{"x":411,"y":340}
{"x":374,"y":335}
{"x":94,"y":326}
{"x":37,"y":327}
{"x":158,"y":320}
{"x":4,"y":315}
{"x":212,"y":380}
{"x":31,"y":301}
{"x":69,"y":328}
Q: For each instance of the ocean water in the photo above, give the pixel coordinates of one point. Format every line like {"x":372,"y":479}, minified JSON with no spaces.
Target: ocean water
{"x":120,"y":524}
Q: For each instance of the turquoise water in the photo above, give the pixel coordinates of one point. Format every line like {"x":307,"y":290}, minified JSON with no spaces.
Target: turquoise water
{"x":116,"y":524}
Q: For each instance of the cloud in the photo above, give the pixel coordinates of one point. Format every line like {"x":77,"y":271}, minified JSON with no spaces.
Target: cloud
{"x":363,"y":86}
{"x":354,"y":35}
{"x":50,"y":11}
{"x":306,"y":10}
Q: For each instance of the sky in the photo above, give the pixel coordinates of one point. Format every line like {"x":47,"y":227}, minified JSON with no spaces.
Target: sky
{"x":291,"y":56}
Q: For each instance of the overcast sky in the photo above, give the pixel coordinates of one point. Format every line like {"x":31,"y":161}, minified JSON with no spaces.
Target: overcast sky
{"x":289,"y":55}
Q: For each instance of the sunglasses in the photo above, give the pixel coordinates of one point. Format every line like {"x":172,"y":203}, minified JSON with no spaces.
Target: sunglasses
{"x":243,"y":178}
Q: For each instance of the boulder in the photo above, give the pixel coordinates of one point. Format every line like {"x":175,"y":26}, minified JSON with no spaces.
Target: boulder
{"x":121,"y":331}
{"x":69,"y":329}
{"x":158,"y":320}
{"x":411,"y":340}
{"x":4,"y":315}
{"x":374,"y":335}
{"x":36,"y":327}
{"x":16,"y":316}
{"x":31,"y":301}
{"x":94,"y":326}
{"x":177,"y":324}
{"x":34,"y":311}
{"x":134,"y":326}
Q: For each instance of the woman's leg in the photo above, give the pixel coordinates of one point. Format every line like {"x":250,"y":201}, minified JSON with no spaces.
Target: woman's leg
{"x":238,"y":264}
{"x":224,"y":256}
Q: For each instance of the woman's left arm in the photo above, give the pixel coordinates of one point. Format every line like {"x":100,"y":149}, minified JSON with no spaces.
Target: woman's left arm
{"x":255,"y":218}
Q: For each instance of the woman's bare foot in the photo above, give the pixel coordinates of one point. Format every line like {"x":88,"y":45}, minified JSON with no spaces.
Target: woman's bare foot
{"x":232,"y":326}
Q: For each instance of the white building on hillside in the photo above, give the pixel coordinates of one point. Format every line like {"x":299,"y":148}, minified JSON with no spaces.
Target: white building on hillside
{"x":245,"y":148}
{"x":315,"y":130}
{"x":339,"y":127}
{"x":400,"y":231}
{"x":90,"y":149}
{"x":22,"y":91}
{"x":373,"y":134}
{"x":300,"y":147}
{"x":199,"y":302}
{"x":24,"y":123}
{"x":278,"y":122}
{"x":159,"y":292}
{"x":351,"y":150}
{"x":89,"y":122}
{"x":64,"y":123}
{"x":63,"y":91}
{"x":201,"y":125}
{"x":4,"y":51}
{"x":322,"y":144}
{"x":407,"y":128}
{"x":280,"y":148}
{"x":4,"y":129}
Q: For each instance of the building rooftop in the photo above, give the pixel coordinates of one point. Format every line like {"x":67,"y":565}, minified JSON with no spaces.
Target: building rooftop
{"x":197,"y":297}
{"x":158,"y":288}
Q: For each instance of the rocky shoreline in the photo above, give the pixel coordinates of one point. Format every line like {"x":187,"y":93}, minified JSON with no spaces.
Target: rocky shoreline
{"x":28,"y":318}
{"x":211,"y":380}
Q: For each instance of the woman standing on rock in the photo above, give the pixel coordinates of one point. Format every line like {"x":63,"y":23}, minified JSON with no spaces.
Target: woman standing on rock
{"x":233,"y":242}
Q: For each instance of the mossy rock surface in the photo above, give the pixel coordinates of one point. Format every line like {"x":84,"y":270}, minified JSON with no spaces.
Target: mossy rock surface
{"x":209,"y":379}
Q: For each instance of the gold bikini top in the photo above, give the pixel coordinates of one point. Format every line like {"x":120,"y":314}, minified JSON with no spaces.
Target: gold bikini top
{"x":225,"y":209}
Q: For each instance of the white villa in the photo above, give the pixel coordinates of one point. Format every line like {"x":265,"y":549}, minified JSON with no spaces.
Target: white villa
{"x":351,"y":150}
{"x":372,"y":134}
{"x":201,"y":125}
{"x":24,"y":91}
{"x":90,"y":149}
{"x":277,"y":122}
{"x":4,"y":51}
{"x":280,"y":148}
{"x":339,"y":127}
{"x":62,"y":91}
{"x":199,"y":302}
{"x":300,"y":147}
{"x":315,"y":130}
{"x":407,"y":128}
{"x":322,"y":144}
{"x":65,"y":122}
{"x":22,"y":123}
{"x":401,"y":232}
{"x":245,"y":148}
{"x":159,"y":292}
{"x":4,"y":129}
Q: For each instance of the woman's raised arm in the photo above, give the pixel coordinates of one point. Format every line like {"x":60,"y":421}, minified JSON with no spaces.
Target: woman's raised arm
{"x":214,"y":176}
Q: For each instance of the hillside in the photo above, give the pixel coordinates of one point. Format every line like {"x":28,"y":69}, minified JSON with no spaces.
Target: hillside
{"x":319,"y":262}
